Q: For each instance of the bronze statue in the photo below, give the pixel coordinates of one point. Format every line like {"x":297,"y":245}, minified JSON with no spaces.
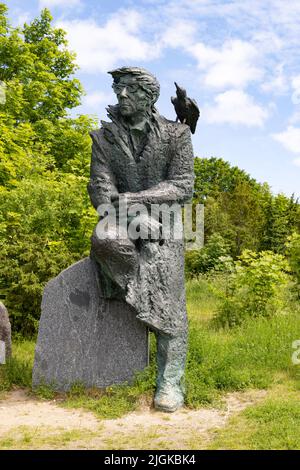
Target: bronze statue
{"x":143,"y":158}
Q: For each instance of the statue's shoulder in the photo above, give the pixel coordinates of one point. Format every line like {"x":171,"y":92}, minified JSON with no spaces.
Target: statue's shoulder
{"x":96,"y":135}
{"x":104,"y":134}
{"x":175,"y":129}
{"x":108,"y":128}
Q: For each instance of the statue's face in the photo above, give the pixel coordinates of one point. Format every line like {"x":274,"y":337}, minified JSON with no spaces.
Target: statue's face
{"x":132,"y":98}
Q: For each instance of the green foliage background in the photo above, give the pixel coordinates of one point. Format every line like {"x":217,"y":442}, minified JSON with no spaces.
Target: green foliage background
{"x":46,"y":218}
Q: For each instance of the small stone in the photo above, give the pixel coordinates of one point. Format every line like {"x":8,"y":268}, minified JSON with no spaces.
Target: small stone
{"x":5,"y":334}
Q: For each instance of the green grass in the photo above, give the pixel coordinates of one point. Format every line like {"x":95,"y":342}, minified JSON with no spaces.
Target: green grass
{"x":26,"y":437}
{"x":202,"y":297}
{"x":17,"y":371}
{"x":143,"y":439}
{"x":254,"y":355}
{"x":113,"y":402}
{"x":273,"y":424}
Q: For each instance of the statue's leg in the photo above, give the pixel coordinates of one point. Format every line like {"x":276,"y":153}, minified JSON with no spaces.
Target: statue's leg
{"x":171,"y":358}
{"x":117,"y":257}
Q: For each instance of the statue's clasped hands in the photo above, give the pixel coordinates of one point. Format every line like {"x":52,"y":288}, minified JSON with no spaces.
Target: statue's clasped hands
{"x":137,"y":215}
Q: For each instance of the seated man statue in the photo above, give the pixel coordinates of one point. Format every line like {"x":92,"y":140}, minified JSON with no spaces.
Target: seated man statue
{"x":144,"y":159}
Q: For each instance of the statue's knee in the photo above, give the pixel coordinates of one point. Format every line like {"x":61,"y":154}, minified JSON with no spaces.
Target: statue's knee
{"x":111,"y":244}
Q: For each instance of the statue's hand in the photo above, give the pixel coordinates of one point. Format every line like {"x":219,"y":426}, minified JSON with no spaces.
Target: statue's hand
{"x":144,"y":226}
{"x":129,"y":198}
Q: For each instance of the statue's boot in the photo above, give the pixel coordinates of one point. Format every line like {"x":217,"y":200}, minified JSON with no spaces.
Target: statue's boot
{"x":171,"y":357}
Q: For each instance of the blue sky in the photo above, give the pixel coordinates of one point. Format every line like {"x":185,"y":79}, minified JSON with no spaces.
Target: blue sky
{"x":238,"y":58}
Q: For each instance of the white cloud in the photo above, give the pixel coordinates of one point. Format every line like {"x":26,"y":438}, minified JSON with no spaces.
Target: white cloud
{"x":235,"y":64}
{"x":277,"y":82}
{"x":295,"y":117}
{"x":235,"y":107}
{"x":271,"y":27}
{"x":290,"y":138}
{"x":296,"y":161}
{"x":58,"y":3}
{"x":100,"y":48}
{"x":267,"y":41}
{"x":97,"y":99}
{"x":180,"y":33}
{"x":295,"y":83}
{"x":247,"y":16}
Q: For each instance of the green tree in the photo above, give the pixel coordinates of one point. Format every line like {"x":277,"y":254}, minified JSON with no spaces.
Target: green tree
{"x":234,"y":203}
{"x":45,"y":226}
{"x":38,"y":69}
{"x":213,"y":256}
{"x":46,"y":216}
{"x":256,"y":288}
{"x":214,"y":176}
{"x":244,"y":212}
{"x":282,"y":219}
{"x":293,"y":254}
{"x":36,"y":133}
{"x":238,"y":215}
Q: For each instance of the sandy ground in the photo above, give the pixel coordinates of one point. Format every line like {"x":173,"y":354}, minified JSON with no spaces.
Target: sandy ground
{"x":26,"y":422}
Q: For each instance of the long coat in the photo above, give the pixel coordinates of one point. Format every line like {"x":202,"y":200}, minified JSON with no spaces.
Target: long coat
{"x":160,"y":171}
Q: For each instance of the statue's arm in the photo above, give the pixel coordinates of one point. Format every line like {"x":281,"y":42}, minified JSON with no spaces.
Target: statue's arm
{"x":178,"y":186}
{"x":102,"y":186}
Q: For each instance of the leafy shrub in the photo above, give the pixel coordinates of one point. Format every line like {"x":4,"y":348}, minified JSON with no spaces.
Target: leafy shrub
{"x":45,"y":226}
{"x":256,"y":288}
{"x":293,"y":253}
{"x":213,"y":256}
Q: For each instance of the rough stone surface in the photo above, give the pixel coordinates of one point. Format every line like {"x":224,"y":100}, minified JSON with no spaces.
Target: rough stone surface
{"x":5,"y":334}
{"x":84,"y":337}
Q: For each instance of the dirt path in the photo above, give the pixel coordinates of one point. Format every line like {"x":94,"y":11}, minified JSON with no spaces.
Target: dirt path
{"x":28,"y":423}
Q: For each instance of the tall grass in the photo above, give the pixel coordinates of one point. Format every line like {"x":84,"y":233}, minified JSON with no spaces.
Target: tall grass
{"x":248,"y":356}
{"x":202,"y":295}
{"x":255,"y":354}
{"x":18,"y":369}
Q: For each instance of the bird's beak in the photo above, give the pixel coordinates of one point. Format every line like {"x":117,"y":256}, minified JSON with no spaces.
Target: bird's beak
{"x":176,"y":85}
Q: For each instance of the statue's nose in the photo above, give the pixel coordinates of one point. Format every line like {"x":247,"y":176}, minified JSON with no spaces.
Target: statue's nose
{"x":123,"y":91}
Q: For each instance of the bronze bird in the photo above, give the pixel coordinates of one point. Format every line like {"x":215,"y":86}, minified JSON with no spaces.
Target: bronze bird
{"x":186,"y":108}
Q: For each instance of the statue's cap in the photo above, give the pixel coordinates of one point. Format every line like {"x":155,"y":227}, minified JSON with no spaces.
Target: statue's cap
{"x":138,"y":71}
